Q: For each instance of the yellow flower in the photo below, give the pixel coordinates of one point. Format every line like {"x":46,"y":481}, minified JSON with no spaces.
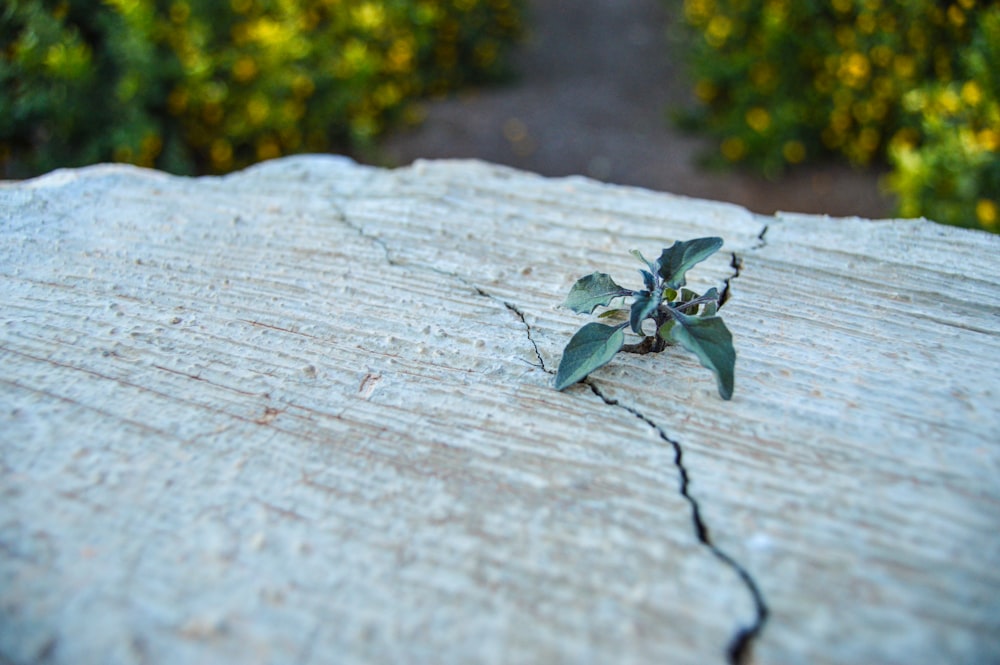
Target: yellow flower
{"x":369,"y":16}
{"x":267,"y":148}
{"x":244,"y":69}
{"x":881,"y":55}
{"x":733,"y":148}
{"x":400,"y":55}
{"x":868,"y":140}
{"x":793,"y":151}
{"x":866,"y":23}
{"x":987,"y":214}
{"x":705,"y":90}
{"x":956,"y":16}
{"x":904,"y":66}
{"x":971,"y":93}
{"x":221,"y":153}
{"x":258,"y":109}
{"x":949,"y":102}
{"x":719,"y":29}
{"x":698,"y":11}
{"x":989,"y":139}
{"x":854,"y":69}
{"x":758,"y":119}
{"x":268,"y":32}
{"x":303,"y":86}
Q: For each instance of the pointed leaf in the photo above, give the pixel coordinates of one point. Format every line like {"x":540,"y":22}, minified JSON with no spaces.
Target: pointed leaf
{"x":710,"y":340}
{"x":677,"y":259}
{"x":648,"y":280}
{"x":593,"y":346}
{"x":654,"y":266}
{"x":592,"y":291}
{"x":712,"y":306}
{"x":664,"y":332}
{"x":614,"y":314}
{"x":643,"y":306}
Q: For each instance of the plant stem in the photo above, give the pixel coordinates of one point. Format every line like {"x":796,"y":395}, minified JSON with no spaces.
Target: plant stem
{"x":658,"y":342}
{"x":643,"y":347}
{"x":692,"y":303}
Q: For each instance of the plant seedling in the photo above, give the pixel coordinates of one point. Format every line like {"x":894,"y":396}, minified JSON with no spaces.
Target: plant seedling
{"x":679,"y":314}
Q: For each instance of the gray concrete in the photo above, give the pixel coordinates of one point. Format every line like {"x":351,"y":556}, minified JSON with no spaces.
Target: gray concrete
{"x":304,"y":414}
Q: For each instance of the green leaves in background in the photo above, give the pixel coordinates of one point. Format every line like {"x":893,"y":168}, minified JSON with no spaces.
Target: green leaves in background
{"x":910,"y":83}
{"x":680,"y":257}
{"x":594,"y":290}
{"x":202,"y":86}
{"x":593,"y":346}
{"x":710,"y":340}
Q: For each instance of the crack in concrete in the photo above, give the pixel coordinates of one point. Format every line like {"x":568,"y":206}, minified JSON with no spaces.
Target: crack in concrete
{"x":739,"y":647}
{"x":392,"y":261}
{"x":736,"y":263}
{"x":511,"y":307}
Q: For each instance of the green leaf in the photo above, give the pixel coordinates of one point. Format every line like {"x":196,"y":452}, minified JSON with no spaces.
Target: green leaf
{"x":615,"y":314}
{"x":654,"y":266}
{"x":648,"y":280}
{"x":664,"y":332}
{"x":593,"y":346}
{"x":643,"y":306}
{"x":677,"y":259}
{"x":712,"y":306}
{"x":710,"y":340}
{"x":592,"y":291}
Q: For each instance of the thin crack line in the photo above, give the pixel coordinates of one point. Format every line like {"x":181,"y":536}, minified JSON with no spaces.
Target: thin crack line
{"x":739,"y":645}
{"x":527,"y":327}
{"x":392,"y":261}
{"x":736,"y":263}
{"x":511,"y":307}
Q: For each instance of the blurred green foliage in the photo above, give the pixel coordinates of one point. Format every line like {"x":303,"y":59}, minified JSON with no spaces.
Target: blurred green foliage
{"x":784,"y":82}
{"x":949,"y":168}
{"x":208,"y":86}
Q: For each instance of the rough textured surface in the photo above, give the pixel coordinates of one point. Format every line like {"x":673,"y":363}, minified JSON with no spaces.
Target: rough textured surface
{"x":303,"y":414}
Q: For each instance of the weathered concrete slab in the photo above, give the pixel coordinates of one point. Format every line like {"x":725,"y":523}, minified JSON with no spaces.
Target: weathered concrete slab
{"x":303,"y":414}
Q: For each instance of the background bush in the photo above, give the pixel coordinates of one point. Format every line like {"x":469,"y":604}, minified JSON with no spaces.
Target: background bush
{"x":783,"y":82}
{"x":949,"y":169}
{"x":194,"y":86}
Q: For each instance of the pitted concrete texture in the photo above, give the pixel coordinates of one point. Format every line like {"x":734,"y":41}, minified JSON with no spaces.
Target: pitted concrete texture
{"x":304,"y":414}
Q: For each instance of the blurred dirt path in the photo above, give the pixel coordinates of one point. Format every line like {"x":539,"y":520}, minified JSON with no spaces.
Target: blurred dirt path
{"x":595,"y":81}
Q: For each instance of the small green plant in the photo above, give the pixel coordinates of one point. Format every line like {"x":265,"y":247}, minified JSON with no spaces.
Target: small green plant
{"x":679,"y":314}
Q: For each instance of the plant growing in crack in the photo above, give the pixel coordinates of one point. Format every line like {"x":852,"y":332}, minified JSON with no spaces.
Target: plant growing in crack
{"x":679,"y":314}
